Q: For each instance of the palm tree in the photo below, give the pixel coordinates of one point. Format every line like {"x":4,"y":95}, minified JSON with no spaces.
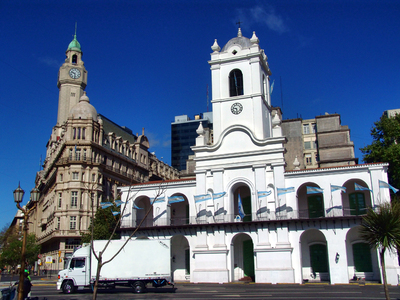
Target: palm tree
{"x":380,"y":228}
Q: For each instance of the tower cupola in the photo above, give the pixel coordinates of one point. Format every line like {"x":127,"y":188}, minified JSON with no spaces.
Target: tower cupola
{"x":74,"y":45}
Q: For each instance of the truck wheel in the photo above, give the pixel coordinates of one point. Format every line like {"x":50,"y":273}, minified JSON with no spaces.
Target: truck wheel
{"x":138,"y":287}
{"x":68,"y":287}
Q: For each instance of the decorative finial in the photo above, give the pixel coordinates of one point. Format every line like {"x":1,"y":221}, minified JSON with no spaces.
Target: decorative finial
{"x":76,"y":25}
{"x":254,"y":39}
{"x":239,"y":30}
{"x":215,"y":47}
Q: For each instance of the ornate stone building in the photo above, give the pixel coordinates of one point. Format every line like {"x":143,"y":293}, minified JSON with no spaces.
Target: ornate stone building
{"x":87,"y":157}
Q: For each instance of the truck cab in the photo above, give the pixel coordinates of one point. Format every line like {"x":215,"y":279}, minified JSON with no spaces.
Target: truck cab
{"x":77,"y":274}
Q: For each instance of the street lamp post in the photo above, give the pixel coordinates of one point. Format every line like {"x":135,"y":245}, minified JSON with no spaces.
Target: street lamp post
{"x":18,"y":195}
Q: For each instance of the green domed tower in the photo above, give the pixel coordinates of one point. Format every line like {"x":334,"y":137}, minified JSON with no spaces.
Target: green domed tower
{"x":72,"y":80}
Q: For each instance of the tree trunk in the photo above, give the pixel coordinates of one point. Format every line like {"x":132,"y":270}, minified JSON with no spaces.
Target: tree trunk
{"x":99,"y":265}
{"x":385,"y":286}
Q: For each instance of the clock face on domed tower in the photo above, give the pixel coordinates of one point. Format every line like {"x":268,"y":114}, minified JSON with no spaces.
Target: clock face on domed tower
{"x":74,"y":73}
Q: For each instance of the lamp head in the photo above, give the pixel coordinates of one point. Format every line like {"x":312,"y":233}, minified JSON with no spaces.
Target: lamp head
{"x":35,"y":193}
{"x":18,"y":194}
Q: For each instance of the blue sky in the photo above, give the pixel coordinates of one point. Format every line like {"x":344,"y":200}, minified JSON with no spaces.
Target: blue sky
{"x":147,"y":62}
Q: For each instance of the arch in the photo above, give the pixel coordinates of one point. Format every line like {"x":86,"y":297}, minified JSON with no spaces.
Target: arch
{"x":314,"y":256}
{"x":244,"y":188}
{"x":362,"y":261}
{"x":74,"y":59}
{"x":310,"y":205}
{"x":242,"y":256}
{"x":144,"y":205}
{"x":355,"y":202}
{"x":180,"y":258}
{"x":235,"y":83}
{"x":179,"y":211}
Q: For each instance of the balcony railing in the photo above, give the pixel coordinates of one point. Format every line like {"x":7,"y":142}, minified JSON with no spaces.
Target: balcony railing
{"x":229,"y":218}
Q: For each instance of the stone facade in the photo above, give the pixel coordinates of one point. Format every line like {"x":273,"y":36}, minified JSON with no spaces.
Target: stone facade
{"x":87,"y":157}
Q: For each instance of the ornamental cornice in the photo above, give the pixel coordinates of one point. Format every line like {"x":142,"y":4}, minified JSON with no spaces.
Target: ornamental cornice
{"x":338,"y":168}
{"x":256,"y":141}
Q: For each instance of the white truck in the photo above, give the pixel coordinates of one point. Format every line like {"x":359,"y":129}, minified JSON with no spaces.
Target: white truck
{"x":140,"y":262}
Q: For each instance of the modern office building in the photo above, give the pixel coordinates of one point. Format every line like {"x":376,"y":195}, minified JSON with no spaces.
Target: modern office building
{"x":183,"y":137}
{"x":317,"y":143}
{"x":391,"y":112}
{"x":88,"y":156}
{"x":244,"y":216}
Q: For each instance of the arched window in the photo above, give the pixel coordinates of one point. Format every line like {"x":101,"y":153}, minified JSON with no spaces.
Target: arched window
{"x":235,"y":83}
{"x":74,"y":59}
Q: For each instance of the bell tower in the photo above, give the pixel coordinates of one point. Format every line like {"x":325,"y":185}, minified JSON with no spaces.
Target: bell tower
{"x":240,"y":87}
{"x":72,"y":80}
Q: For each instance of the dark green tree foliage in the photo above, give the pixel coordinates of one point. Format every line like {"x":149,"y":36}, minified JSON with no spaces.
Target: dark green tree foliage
{"x":380,"y":228}
{"x":104,"y":224}
{"x":11,"y":251}
{"x":385,"y":146}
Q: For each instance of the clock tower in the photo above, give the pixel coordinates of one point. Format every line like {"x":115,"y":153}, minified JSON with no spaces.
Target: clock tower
{"x":72,"y":80}
{"x":240,"y":87}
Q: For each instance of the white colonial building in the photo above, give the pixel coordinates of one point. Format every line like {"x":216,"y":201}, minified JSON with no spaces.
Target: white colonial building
{"x":244,"y":216}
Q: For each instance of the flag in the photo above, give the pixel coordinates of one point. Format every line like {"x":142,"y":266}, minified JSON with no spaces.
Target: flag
{"x":282,"y":191}
{"x":116,"y":213}
{"x":201,"y":198}
{"x":218,"y":195}
{"x":264,"y":194}
{"x":383,"y":184}
{"x":175,"y":199}
{"x":157,"y":200}
{"x":358,"y":187}
{"x":136,"y":207}
{"x":314,"y":190}
{"x":117,"y":202}
{"x":240,"y":207}
{"x":338,"y":188}
{"x":105,"y":204}
{"x":272,"y":87}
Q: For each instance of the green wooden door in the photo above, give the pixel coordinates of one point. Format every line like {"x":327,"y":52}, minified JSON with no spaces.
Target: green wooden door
{"x":362,"y":257}
{"x":248,"y":258}
{"x":246,"y":201}
{"x":357,"y":204}
{"x":187,"y":261}
{"x":315,"y":206}
{"x":319,"y":258}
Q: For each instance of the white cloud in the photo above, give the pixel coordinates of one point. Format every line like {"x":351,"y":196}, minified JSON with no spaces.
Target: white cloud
{"x":51,"y":62}
{"x":269,"y":17}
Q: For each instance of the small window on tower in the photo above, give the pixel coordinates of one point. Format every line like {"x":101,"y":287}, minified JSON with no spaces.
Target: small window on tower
{"x":235,"y":83}
{"x":74,"y":59}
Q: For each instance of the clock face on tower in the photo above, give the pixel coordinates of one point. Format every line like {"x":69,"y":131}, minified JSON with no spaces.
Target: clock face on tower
{"x":74,"y":73}
{"x":236,"y":108}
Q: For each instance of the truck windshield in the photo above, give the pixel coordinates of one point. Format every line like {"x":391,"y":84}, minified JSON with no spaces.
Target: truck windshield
{"x":77,"y":263}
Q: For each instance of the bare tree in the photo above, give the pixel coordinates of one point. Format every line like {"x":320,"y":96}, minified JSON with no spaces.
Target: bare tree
{"x":99,"y":256}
